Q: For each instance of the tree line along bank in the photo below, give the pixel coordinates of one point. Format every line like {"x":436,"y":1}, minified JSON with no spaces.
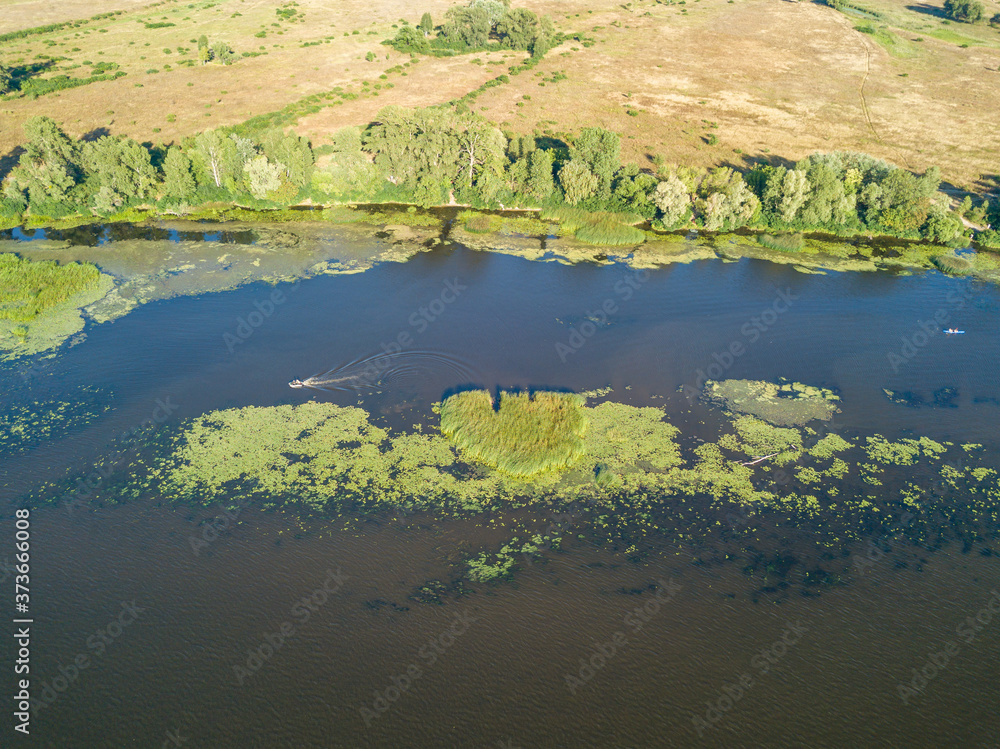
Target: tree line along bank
{"x":436,"y":155}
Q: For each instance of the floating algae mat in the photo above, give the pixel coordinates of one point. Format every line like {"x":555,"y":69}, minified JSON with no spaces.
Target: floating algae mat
{"x":786,"y":404}
{"x":523,"y":436}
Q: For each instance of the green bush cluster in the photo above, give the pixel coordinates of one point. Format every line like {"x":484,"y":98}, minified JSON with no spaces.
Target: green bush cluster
{"x":480,"y":26}
{"x":34,"y":87}
{"x":965,"y":11}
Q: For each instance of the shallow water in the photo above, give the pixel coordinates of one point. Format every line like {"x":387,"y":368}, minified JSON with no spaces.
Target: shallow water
{"x":458,"y":318}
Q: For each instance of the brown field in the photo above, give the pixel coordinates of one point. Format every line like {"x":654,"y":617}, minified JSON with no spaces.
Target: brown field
{"x":765,"y":77}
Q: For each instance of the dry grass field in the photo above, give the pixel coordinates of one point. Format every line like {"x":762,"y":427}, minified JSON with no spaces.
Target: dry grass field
{"x":704,"y":82}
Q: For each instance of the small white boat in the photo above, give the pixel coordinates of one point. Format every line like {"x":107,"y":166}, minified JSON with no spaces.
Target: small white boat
{"x":952,"y":331}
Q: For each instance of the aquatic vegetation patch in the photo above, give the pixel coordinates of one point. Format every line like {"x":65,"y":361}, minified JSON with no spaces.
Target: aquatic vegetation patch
{"x":479,"y":223}
{"x":526,"y":434}
{"x":28,"y":288}
{"x":24,"y":427}
{"x":41,"y":302}
{"x":571,"y":219}
{"x":322,"y":456}
{"x":495,"y":566}
{"x":903,"y":453}
{"x":785,"y":404}
{"x":638,"y":479}
{"x":829,"y":445}
{"x":756,"y":438}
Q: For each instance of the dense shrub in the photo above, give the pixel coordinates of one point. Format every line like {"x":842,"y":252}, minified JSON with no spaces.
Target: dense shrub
{"x":966,"y":11}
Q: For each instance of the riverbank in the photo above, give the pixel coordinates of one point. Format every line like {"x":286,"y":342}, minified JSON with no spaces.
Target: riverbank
{"x":223,"y":247}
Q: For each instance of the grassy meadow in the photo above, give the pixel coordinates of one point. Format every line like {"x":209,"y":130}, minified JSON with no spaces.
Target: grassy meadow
{"x":702,"y":83}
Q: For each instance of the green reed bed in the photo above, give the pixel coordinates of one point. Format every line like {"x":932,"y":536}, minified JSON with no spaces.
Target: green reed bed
{"x":951,"y":264}
{"x":526,"y":435}
{"x":28,"y":288}
{"x":782,"y":242}
{"x":609,"y":232}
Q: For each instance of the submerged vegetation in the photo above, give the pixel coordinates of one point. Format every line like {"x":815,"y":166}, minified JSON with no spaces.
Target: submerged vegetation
{"x":526,"y":434}
{"x":23,"y":427}
{"x":784,"y":404}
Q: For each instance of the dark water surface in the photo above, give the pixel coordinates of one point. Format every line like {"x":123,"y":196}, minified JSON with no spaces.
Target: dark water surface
{"x":502,"y":653}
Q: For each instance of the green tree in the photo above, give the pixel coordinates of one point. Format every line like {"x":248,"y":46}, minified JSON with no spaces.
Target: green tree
{"x":495,"y":9}
{"x":543,"y":39}
{"x":216,"y":159}
{"x":758,"y":179}
{"x":246,"y":149}
{"x":6,"y":79}
{"x":942,"y":226}
{"x":787,"y":191}
{"x":426,"y":24}
{"x":903,"y":200}
{"x":48,"y":169}
{"x":48,"y":142}
{"x":466,"y":28}
{"x":348,"y":172}
{"x":828,"y":203}
{"x":517,"y":176}
{"x":409,"y":39}
{"x":966,"y":11}
{"x":415,"y":147}
{"x":540,"y":183}
{"x":632,"y":189}
{"x":725,"y":200}
{"x":578,"y":182}
{"x":520,"y":146}
{"x":204,"y":52}
{"x":178,"y":181}
{"x":262,"y":176}
{"x":671,"y":197}
{"x":118,"y":169}
{"x":480,"y":150}
{"x":292,"y":152}
{"x":224,"y":53}
{"x":517,"y":29}
{"x":599,"y":150}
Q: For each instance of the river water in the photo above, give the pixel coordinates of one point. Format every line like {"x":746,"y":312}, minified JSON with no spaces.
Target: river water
{"x":219,"y":647}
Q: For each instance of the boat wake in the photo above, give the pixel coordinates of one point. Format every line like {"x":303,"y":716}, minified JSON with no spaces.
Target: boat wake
{"x":386,"y":370}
